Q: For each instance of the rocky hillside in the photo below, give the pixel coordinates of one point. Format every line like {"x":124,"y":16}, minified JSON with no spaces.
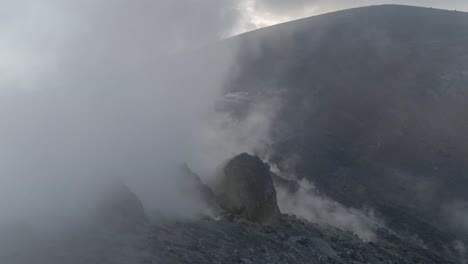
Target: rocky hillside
{"x":240,"y":234}
{"x":370,"y":105}
{"x":123,"y":234}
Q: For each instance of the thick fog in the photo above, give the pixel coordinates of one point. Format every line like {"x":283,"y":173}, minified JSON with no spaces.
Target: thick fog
{"x":89,"y":91}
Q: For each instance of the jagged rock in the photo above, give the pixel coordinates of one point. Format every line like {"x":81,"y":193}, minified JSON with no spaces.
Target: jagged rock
{"x":194,"y":184}
{"x":121,"y":209}
{"x":247,"y":189}
{"x":289,"y":185}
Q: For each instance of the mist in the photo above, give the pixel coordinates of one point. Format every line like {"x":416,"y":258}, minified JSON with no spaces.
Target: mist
{"x":96,"y":90}
{"x":309,"y":204}
{"x":249,"y":129}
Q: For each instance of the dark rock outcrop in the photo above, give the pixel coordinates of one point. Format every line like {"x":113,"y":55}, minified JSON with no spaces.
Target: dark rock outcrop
{"x":247,"y":189}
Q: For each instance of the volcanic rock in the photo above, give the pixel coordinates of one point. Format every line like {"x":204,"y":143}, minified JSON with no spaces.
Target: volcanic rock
{"x":247,"y":189}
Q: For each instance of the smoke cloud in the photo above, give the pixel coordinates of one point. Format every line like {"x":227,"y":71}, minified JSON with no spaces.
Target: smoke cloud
{"x":310,"y":205}
{"x":248,"y":129}
{"x":228,"y":133}
{"x":93,"y":90}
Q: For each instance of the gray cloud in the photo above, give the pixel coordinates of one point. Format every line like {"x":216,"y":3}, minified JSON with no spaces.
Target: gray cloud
{"x":40,"y":38}
{"x":285,"y":7}
{"x":307,"y":203}
{"x":89,"y":90}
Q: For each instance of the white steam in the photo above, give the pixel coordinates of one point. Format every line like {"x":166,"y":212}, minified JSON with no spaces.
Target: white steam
{"x":91,"y":91}
{"x":228,"y":135}
{"x":314,"y":207}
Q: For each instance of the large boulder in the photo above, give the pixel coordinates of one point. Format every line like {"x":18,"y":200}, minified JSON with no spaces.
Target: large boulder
{"x":247,"y":189}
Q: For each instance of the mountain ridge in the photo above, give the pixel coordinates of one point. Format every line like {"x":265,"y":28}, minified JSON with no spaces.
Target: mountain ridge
{"x":344,"y":11}
{"x":370,"y":102}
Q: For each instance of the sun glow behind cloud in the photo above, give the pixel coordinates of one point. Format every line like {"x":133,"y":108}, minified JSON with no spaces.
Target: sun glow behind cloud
{"x":253,"y":18}
{"x":261,"y":19}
